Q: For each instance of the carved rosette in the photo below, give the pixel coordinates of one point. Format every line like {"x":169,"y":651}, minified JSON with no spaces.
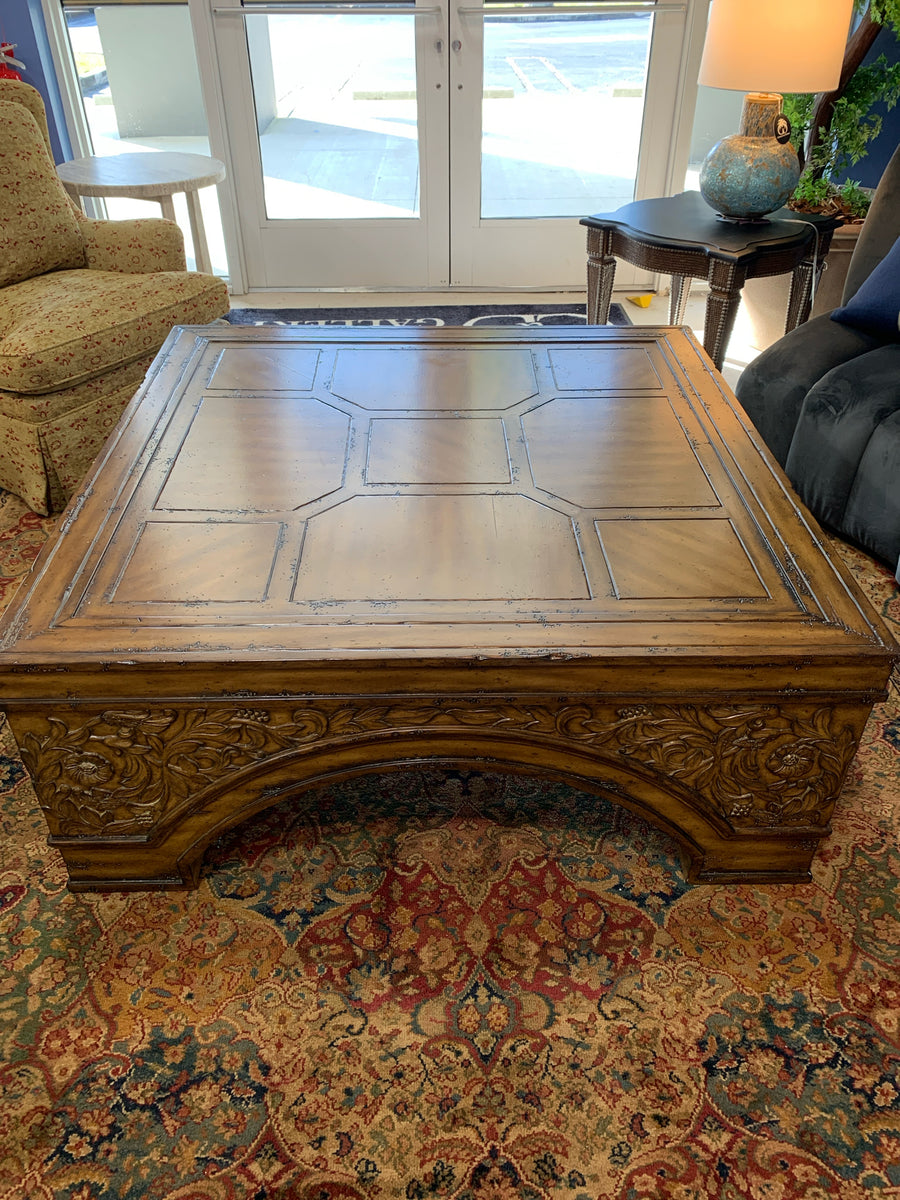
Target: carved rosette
{"x":121,"y":773}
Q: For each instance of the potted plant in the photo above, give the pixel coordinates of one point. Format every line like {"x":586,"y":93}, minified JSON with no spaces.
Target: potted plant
{"x":832,"y":130}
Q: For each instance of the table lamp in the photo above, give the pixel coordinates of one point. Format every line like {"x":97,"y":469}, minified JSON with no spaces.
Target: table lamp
{"x":788,"y":45}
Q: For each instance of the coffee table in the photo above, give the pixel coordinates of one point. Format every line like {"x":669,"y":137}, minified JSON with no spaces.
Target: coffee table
{"x":308,"y":554}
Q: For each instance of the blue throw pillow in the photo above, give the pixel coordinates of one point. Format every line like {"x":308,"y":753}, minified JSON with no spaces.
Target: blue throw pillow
{"x":876,"y":306}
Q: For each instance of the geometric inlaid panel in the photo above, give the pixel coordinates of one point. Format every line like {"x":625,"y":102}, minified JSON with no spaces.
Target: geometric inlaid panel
{"x":647,"y":560}
{"x":615,"y":452}
{"x":257,"y":454}
{"x":266,"y":368}
{"x":437,"y":450}
{"x":348,"y":490}
{"x":603,"y":368}
{"x":481,"y":547}
{"x":189,"y":562}
{"x":440,"y":378}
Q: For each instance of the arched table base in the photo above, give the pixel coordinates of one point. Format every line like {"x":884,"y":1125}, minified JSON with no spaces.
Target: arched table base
{"x":134,"y":796}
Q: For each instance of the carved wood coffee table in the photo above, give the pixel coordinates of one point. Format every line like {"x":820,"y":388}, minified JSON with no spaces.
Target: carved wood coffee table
{"x":304,"y":555}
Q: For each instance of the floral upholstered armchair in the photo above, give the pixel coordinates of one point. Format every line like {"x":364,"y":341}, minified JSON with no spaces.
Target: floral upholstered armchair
{"x":84,"y":307}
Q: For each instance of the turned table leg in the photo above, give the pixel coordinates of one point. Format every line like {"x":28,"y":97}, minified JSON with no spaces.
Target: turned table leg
{"x":725,"y":283}
{"x":601,"y":271}
{"x":804,"y":280}
{"x":681,"y":290}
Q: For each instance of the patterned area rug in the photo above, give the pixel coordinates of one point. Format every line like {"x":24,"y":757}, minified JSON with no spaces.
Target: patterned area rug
{"x":448,"y":984}
{"x":453,"y":315}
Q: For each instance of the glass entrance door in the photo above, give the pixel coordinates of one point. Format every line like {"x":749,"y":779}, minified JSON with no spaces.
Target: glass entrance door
{"x":577,"y":116}
{"x":338,"y":125}
{"x":435,"y":143}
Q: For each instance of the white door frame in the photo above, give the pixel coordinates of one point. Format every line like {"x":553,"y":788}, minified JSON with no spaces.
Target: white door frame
{"x":219,"y":144}
{"x":66,"y":77}
{"x":377,"y":254}
{"x":493,"y":254}
{"x":496,"y":253}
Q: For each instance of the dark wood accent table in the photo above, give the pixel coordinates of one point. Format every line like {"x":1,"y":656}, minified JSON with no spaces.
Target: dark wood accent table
{"x":681,"y":236}
{"x":304,"y":555}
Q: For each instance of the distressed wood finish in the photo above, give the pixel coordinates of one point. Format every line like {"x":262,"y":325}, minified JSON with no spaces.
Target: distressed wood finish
{"x":309,"y":554}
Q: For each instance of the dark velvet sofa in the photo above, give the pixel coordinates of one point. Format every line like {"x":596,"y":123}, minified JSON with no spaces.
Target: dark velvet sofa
{"x":826,"y":396}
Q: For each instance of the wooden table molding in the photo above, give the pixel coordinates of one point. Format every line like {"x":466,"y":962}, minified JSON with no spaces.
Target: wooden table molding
{"x":201,"y":640}
{"x":164,"y":781}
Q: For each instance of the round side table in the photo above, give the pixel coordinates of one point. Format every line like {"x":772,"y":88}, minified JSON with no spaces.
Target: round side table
{"x":154,"y":175}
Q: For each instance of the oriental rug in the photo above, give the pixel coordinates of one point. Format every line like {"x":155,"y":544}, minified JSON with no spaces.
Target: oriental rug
{"x":515,"y":313}
{"x":448,"y":984}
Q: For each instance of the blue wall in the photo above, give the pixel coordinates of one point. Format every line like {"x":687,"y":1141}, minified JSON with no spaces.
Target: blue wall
{"x":869,"y":169}
{"x":22,"y":22}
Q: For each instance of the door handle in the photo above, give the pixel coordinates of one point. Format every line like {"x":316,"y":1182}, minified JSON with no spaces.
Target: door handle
{"x":456,"y":45}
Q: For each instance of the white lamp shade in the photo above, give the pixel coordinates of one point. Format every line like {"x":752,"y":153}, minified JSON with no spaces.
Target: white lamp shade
{"x":775,"y":45}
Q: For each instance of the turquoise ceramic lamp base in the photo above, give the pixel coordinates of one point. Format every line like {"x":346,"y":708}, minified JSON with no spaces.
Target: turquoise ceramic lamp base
{"x":751,"y":173}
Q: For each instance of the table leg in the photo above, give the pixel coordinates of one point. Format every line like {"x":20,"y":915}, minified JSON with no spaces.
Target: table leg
{"x":73,"y":195}
{"x":725,"y":283}
{"x":167,"y":204}
{"x":681,"y":289}
{"x":805,"y":275}
{"x":800,"y":299}
{"x":198,"y":233}
{"x":601,"y":271}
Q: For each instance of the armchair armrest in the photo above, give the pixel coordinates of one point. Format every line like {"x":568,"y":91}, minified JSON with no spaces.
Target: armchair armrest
{"x":134,"y":246}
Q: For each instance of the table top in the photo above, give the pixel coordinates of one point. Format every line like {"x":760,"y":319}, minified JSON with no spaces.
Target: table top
{"x":687,"y":220}
{"x":141,"y":174}
{"x":485,"y":496}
